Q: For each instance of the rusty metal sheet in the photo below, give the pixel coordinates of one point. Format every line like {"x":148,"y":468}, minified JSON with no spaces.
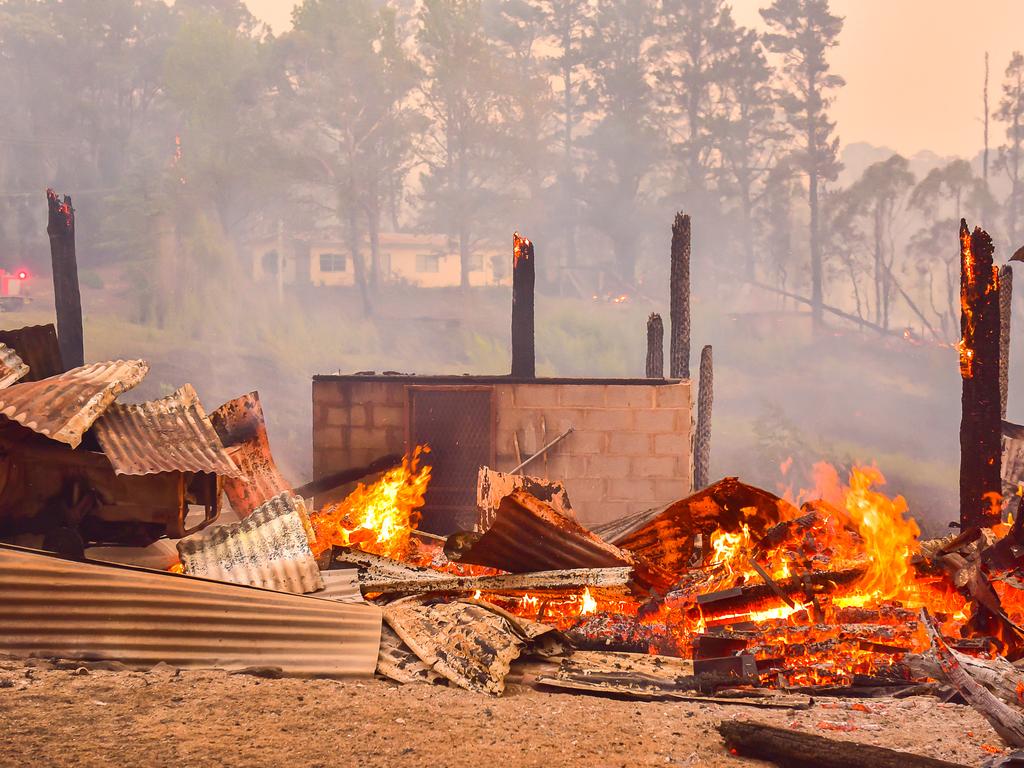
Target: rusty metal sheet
{"x":58,"y":608}
{"x":242,"y":430}
{"x":270,"y":548}
{"x":12,"y":367}
{"x":63,"y":407}
{"x":666,"y":539}
{"x":492,"y":486}
{"x":397,"y":662}
{"x":172,"y":434}
{"x":341,"y":584}
{"x":466,"y":642}
{"x":37,"y":346}
{"x":528,"y":535}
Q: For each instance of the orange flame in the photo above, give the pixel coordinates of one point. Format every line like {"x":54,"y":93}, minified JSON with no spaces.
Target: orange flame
{"x":378,"y":518}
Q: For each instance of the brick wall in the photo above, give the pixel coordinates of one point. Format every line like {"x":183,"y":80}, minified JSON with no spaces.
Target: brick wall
{"x":631,"y":449}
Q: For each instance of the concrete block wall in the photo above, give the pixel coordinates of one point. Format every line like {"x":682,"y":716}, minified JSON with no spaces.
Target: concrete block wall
{"x":630,"y":451}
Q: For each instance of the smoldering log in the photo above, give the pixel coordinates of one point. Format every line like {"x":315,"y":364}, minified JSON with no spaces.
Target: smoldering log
{"x":60,"y":227}
{"x":980,"y":443}
{"x":1005,"y":317}
{"x":795,"y":749}
{"x":655,"y":347}
{"x":539,"y":580}
{"x":702,"y":438}
{"x":523,"y":280}
{"x":679,"y":301}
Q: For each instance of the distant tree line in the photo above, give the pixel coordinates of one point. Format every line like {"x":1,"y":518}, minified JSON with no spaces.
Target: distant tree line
{"x":584,"y":123}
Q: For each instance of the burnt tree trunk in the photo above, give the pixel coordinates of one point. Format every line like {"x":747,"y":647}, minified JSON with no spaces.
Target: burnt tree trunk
{"x":980,"y":427}
{"x":795,"y":749}
{"x":523,"y":279}
{"x":655,"y":347}
{"x":67,"y":298}
{"x":702,"y":438}
{"x":679,"y":301}
{"x":1005,"y":316}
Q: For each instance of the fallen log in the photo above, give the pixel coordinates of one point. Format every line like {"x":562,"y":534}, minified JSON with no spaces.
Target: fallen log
{"x":612,"y":690}
{"x":795,"y":749}
{"x":382,"y":583}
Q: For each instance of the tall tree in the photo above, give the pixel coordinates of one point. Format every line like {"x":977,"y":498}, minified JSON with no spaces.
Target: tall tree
{"x":1011,"y":154}
{"x":802,"y":31}
{"x":350,"y":81}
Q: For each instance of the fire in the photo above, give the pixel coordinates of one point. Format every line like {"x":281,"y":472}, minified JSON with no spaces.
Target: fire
{"x":588,"y":603}
{"x":380,"y":517}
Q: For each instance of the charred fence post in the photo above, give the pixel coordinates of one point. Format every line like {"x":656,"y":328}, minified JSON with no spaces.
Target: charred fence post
{"x":61,"y":229}
{"x":980,"y":427}
{"x":679,"y":301}
{"x":655,"y":347}
{"x":1005,"y":317}
{"x":702,"y":438}
{"x":523,"y":279}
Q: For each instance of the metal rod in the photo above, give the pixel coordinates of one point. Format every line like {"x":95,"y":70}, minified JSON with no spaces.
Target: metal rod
{"x":545,"y":449}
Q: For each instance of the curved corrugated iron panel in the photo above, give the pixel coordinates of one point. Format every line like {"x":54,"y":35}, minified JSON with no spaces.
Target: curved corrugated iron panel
{"x":37,"y":346}
{"x":12,"y":367}
{"x":172,"y":434}
{"x":243,"y":432}
{"x":270,"y":548}
{"x":64,"y":406}
{"x":58,"y":608}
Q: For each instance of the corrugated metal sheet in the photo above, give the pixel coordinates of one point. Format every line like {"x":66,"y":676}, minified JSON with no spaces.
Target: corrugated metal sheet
{"x":12,"y":367}
{"x":243,"y":432}
{"x":528,"y":535}
{"x":172,"y":434}
{"x":37,"y":346}
{"x":270,"y":548}
{"x":341,"y":584}
{"x":63,"y":407}
{"x":52,"y":607}
{"x":615,"y":530}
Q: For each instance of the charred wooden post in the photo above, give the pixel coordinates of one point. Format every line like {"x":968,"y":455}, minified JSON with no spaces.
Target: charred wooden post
{"x":980,"y":427}
{"x":60,"y":227}
{"x":523,"y":279}
{"x":702,"y":438}
{"x":795,"y":749}
{"x":1005,"y":316}
{"x":679,"y":303}
{"x":655,"y":347}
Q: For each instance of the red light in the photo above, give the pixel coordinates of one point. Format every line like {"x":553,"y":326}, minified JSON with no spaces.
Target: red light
{"x":22,"y":275}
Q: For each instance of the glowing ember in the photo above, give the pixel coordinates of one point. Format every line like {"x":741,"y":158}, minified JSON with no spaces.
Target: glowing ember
{"x":380,"y":517}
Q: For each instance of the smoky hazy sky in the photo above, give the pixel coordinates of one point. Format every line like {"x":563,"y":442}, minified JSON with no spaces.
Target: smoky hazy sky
{"x":914,"y":68}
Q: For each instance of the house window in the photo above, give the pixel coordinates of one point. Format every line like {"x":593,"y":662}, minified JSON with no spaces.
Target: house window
{"x":333,"y":262}
{"x":428,"y":262}
{"x":475,"y":262}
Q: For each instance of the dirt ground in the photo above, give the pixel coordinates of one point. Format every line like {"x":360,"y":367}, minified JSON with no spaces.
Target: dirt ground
{"x":92,"y":717}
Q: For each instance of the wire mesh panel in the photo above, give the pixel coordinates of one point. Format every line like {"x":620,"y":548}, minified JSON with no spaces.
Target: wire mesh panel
{"x":458,"y":425}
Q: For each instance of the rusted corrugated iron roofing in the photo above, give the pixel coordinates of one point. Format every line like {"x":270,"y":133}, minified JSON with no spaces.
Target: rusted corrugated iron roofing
{"x":12,"y":367}
{"x":172,"y":434}
{"x":63,"y":407}
{"x":52,"y":607}
{"x":270,"y":548}
{"x":242,"y":430}
{"x":37,"y":346}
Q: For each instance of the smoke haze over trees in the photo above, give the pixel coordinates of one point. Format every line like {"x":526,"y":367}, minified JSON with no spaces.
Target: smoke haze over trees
{"x":185,"y":130}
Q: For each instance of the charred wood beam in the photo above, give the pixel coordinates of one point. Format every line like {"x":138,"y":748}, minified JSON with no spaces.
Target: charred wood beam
{"x":1005,"y":317}
{"x":346,"y":476}
{"x":795,"y":749}
{"x":702,"y":438}
{"x":563,"y":579}
{"x":67,"y":298}
{"x":655,"y":347}
{"x":679,"y":300}
{"x":980,"y":433}
{"x":523,"y":280}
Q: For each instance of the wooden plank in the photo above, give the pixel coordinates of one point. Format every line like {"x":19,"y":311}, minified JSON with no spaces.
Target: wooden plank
{"x":383,"y":583}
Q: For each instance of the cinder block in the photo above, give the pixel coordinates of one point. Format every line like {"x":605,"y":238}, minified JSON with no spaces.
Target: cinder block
{"x":384,"y":415}
{"x":606,"y":466}
{"x":631,"y":489}
{"x":536,"y":395}
{"x":629,"y":396}
{"x":666,"y":491}
{"x":655,"y":421}
{"x":561,"y":467}
{"x":629,"y":443}
{"x":331,"y":437}
{"x":608,"y":419}
{"x":673,"y":395}
{"x":328,"y":393}
{"x":672,"y":445}
{"x":651,"y":467}
{"x":337,"y":416}
{"x":584,"y":492}
{"x":370,"y":441}
{"x":587,"y":442}
{"x":586,"y":395}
